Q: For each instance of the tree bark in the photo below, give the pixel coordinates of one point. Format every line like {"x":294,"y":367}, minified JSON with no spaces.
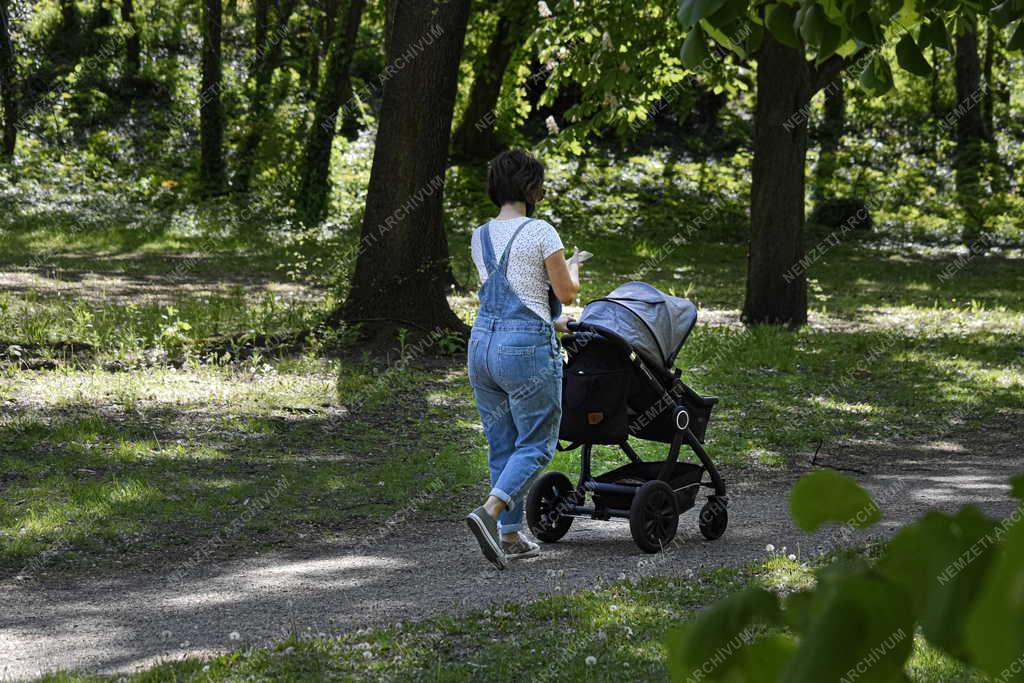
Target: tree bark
{"x":132,"y":46}
{"x":8,"y":85}
{"x":988,"y":100}
{"x":829,"y":134}
{"x":402,"y":265}
{"x":335,"y":90}
{"x":321,"y":46}
{"x":266,"y":62}
{"x":970,"y":132}
{"x":776,"y":282}
{"x":474,"y":139}
{"x":211,"y":110}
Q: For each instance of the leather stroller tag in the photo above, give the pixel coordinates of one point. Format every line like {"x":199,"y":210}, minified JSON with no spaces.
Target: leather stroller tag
{"x":595,"y":418}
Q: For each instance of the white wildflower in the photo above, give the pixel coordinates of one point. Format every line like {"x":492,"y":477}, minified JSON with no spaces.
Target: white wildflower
{"x":543,"y":9}
{"x":792,"y":557}
{"x":591,"y":660}
{"x":606,"y":41}
{"x":234,"y":635}
{"x":769,"y":548}
{"x":552,"y":125}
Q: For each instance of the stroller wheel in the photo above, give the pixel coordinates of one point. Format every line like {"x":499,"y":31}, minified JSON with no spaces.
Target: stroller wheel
{"x":714,"y":518}
{"x":654,"y":516}
{"x":547,"y":504}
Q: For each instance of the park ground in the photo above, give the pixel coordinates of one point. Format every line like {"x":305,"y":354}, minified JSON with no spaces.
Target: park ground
{"x":171,"y":407}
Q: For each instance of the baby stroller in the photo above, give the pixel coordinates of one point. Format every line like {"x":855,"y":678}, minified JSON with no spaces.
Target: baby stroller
{"x":620,"y":381}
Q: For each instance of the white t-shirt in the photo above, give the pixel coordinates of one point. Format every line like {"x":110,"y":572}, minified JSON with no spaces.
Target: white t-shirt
{"x":526,"y":271}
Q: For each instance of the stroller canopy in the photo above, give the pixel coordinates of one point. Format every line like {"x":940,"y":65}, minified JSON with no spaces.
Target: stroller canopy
{"x":653,"y":322}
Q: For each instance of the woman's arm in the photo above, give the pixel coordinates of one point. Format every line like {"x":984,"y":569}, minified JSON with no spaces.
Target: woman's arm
{"x":563,"y":276}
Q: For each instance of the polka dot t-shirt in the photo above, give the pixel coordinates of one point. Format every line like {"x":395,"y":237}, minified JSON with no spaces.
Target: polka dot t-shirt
{"x":526,"y":272}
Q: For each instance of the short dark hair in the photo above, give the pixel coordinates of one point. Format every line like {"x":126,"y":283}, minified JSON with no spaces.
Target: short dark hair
{"x":515,"y":175}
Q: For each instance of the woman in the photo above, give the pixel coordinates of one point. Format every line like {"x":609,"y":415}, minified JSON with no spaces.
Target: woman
{"x":515,"y":367}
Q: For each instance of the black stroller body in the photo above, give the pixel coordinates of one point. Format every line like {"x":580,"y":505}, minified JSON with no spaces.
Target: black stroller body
{"x":620,"y":381}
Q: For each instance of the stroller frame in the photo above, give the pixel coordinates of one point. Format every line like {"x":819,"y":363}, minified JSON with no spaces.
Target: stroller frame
{"x":634,"y":501}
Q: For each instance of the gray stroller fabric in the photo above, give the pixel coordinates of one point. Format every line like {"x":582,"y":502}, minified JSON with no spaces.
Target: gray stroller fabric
{"x":653,"y":322}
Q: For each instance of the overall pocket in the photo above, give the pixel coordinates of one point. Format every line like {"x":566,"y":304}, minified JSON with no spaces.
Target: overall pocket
{"x":517,"y":362}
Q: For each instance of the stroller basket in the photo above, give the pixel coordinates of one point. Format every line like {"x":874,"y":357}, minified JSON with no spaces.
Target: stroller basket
{"x":684,"y":478}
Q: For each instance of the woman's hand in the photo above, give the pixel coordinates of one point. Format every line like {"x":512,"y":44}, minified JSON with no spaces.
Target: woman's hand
{"x":562,"y":323}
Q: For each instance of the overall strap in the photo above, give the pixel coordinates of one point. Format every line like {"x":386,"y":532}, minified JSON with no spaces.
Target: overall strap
{"x":503,"y":263}
{"x":487,"y":248}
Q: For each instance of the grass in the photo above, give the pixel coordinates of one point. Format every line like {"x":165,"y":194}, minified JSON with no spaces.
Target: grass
{"x":101,"y":469}
{"x":148,"y":440}
{"x":610,"y":633}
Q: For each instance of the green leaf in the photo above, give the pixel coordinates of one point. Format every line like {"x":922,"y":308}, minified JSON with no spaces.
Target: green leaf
{"x":1016,"y":41}
{"x":934,"y":33}
{"x":995,"y":627}
{"x":876,"y":78}
{"x":859,"y":626}
{"x":813,"y":24}
{"x":780,"y":19}
{"x":1017,"y":486}
{"x":692,"y":11}
{"x":830,"y":41}
{"x":721,"y":36}
{"x":866,"y":29}
{"x":719,"y":642}
{"x":695,"y":50}
{"x":1006,"y":12}
{"x":909,"y":56}
{"x":941,"y":561}
{"x":828,"y":496}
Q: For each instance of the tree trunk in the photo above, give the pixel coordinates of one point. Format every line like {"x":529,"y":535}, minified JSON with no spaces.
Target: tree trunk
{"x":776,"y":282}
{"x":706,"y":109}
{"x":8,"y":86}
{"x":335,"y":90}
{"x":211,"y":110}
{"x":321,"y":46}
{"x":67,"y":41}
{"x":987,"y":110}
{"x":402,"y":264}
{"x":474,"y":138}
{"x":268,"y":58}
{"x":132,"y":47}
{"x":830,"y":133}
{"x":970,"y":132}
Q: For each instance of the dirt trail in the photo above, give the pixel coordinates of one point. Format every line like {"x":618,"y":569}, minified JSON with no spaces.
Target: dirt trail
{"x":123,"y":623}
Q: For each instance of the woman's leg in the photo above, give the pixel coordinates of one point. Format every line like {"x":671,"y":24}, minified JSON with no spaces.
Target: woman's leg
{"x":500,"y":429}
{"x":536,"y":411}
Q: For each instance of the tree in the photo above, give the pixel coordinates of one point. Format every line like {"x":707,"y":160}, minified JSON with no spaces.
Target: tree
{"x":402,"y":264}
{"x":335,"y":90}
{"x":211,"y":109}
{"x":989,"y":84}
{"x":968,"y":157}
{"x":8,"y":85}
{"x":266,"y":62}
{"x":838,"y":34}
{"x":324,"y":24}
{"x":132,"y":46}
{"x":474,"y":137}
{"x":830,"y":134}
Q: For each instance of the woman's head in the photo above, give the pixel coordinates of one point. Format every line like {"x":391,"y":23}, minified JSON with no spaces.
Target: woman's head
{"x":515,"y":175}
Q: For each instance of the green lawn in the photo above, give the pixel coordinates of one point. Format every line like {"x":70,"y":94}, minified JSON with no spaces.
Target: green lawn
{"x":138,"y":418}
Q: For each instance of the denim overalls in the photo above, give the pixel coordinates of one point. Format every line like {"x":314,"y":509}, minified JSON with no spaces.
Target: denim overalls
{"x":515,"y":369}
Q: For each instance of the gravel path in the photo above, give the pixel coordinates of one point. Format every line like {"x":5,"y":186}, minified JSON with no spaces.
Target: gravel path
{"x":123,"y":623}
